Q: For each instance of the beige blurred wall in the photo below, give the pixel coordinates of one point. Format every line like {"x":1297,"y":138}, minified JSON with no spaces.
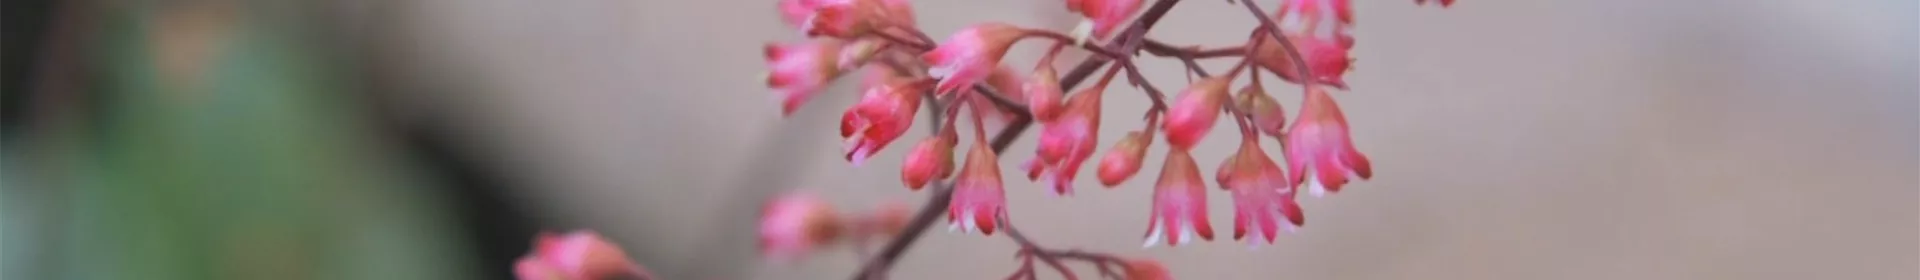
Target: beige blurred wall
{"x":1511,"y":139}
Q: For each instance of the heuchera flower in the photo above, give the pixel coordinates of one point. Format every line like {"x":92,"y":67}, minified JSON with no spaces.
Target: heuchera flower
{"x":801,"y":70}
{"x":1102,"y":16}
{"x":1326,"y":59}
{"x":1068,"y":141}
{"x":1179,"y":202}
{"x":882,"y":115}
{"x":1268,"y":116}
{"x":1192,"y":115}
{"x":1260,"y":189}
{"x":1123,"y":161}
{"x":577,"y":255}
{"x":1319,"y":150}
{"x":792,"y":224}
{"x":930,"y":159}
{"x":970,"y":55}
{"x":978,"y":195}
{"x":854,"y":18}
{"x":1147,"y":269}
{"x":1043,"y":93}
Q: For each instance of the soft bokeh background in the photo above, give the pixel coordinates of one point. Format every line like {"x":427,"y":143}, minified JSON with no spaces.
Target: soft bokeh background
{"x":429,"y":139}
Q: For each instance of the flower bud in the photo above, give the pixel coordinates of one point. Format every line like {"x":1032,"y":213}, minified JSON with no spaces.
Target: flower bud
{"x":1043,"y":93}
{"x":930,"y":159}
{"x":1195,"y":111}
{"x":792,"y":224}
{"x":1147,"y":269}
{"x":801,"y":70}
{"x":1268,"y":116}
{"x":579,"y":254}
{"x":1123,"y":161}
{"x":1326,"y":59}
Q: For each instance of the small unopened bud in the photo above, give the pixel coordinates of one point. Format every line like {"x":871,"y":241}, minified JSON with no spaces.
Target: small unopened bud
{"x":1194,"y":113}
{"x":1268,"y":116}
{"x":930,"y":159}
{"x":1123,"y":161}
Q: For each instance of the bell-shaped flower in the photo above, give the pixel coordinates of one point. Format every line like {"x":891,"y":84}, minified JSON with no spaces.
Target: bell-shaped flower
{"x":1260,"y":191}
{"x":849,"y":19}
{"x":1326,"y":59}
{"x":800,"y":70}
{"x":968,"y":56}
{"x":577,"y":255}
{"x":881,"y":116}
{"x":979,"y":196}
{"x":1179,"y":203}
{"x":1123,"y":161}
{"x":1102,"y":16}
{"x":1194,"y":112}
{"x":1319,"y":149}
{"x":1043,"y":93}
{"x":1146,"y":269}
{"x":1267,"y":114}
{"x":1068,"y":141}
{"x":793,"y":224}
{"x":930,"y":159}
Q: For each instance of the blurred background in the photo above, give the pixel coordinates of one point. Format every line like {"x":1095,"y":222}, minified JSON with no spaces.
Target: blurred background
{"x":430,"y":139}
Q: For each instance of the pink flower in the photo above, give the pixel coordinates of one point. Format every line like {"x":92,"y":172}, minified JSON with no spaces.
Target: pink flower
{"x":1068,"y":141}
{"x":800,"y":70}
{"x":792,"y":224}
{"x":1123,"y":161}
{"x":979,"y":196}
{"x":1443,"y":3}
{"x":1105,"y":15}
{"x":1043,"y":93}
{"x":1147,"y":269}
{"x":1179,"y":202}
{"x":930,"y":159}
{"x":844,"y":19}
{"x":882,"y":115}
{"x":1319,"y":150}
{"x":577,"y":255}
{"x":1268,"y":116}
{"x":1194,"y":112}
{"x":1260,"y":189}
{"x":796,"y":12}
{"x":1326,"y":59}
{"x":970,"y":55}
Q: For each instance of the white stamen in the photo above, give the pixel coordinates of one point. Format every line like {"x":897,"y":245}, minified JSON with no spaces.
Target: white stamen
{"x":1314,"y":187}
{"x":940,"y":71}
{"x":953,"y":226}
{"x":1159,"y":231}
{"x":1186,"y":233}
{"x":967,"y":224}
{"x":860,"y":156}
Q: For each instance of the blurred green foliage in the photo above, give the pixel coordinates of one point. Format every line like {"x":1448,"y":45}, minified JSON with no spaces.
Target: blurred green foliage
{"x":251,"y":162}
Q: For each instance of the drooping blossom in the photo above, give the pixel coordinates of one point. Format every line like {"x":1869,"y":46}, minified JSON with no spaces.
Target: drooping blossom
{"x":1326,"y":59}
{"x":979,"y":196}
{"x":930,"y":159}
{"x":796,"y":13}
{"x":1068,"y":141}
{"x":1123,"y":161}
{"x":1319,"y":149}
{"x":801,"y":70}
{"x":576,"y":255}
{"x":1260,"y":191}
{"x":1147,"y":269}
{"x":1102,"y":16}
{"x":882,"y":115}
{"x":968,"y":56}
{"x":1268,"y":117}
{"x":794,"y":223}
{"x":1194,"y":112}
{"x":1179,"y":203}
{"x":854,"y":18}
{"x":1043,"y":92}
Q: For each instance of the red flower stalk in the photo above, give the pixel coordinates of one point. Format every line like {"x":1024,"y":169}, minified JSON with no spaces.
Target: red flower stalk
{"x":1319,"y":150}
{"x":930,"y":159}
{"x":792,"y":224}
{"x":800,"y":70}
{"x":1268,"y":116}
{"x":882,"y":115}
{"x":1068,"y":141}
{"x":1179,"y":202}
{"x":1193,"y":114}
{"x":1260,"y":189}
{"x":1326,"y":59}
{"x":979,"y":195}
{"x":577,"y":255}
{"x":970,"y":55}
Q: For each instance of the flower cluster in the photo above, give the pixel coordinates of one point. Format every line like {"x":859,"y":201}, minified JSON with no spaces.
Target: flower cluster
{"x":1301,"y":42}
